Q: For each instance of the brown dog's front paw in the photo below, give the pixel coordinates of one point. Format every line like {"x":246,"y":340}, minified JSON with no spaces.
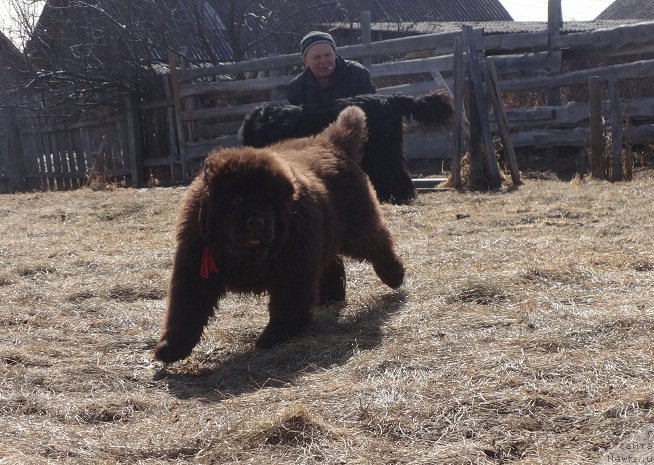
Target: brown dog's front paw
{"x":392,"y":275}
{"x":168,"y":352}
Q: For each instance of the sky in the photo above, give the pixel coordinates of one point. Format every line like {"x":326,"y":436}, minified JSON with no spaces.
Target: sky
{"x":8,"y":16}
{"x":573,"y":10}
{"x":520,"y":10}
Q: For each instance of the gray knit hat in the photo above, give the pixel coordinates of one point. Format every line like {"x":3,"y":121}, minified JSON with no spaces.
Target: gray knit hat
{"x":314,"y":38}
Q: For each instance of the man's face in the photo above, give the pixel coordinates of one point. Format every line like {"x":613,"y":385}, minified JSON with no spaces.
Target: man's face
{"x":321,"y":60}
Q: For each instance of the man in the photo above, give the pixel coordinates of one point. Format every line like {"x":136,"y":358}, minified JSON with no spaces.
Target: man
{"x":327,"y":76}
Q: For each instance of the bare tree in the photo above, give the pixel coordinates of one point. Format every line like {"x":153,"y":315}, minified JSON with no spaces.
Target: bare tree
{"x":88,"y":53}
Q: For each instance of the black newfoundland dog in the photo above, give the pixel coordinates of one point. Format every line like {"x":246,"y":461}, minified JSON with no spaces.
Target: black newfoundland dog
{"x":383,"y":158}
{"x":275,"y":220}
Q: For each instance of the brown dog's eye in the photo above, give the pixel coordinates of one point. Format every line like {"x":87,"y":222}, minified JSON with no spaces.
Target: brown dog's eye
{"x":237,"y":200}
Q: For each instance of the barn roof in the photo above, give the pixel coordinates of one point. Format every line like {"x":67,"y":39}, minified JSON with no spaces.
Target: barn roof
{"x":72,"y":22}
{"x":297,"y":17}
{"x":629,"y":9}
{"x":393,"y":11}
{"x":11,"y":61}
{"x":8,"y":51}
{"x":490,"y":27}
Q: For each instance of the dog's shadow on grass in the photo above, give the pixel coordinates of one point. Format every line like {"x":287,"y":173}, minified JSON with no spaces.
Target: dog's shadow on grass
{"x":330,"y":341}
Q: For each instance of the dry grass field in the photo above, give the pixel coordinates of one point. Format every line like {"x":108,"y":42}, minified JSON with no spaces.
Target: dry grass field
{"x":524,"y":335}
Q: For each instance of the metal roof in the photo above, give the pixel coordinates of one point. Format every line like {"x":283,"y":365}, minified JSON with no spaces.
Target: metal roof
{"x":394,"y":11}
{"x":490,"y":27}
{"x":297,"y":17}
{"x":629,"y":9}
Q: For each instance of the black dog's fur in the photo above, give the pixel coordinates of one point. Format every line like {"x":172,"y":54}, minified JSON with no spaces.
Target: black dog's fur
{"x":383,"y":158}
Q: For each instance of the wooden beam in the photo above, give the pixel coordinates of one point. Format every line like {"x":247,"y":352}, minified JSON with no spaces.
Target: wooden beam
{"x":554,"y":19}
{"x":500,"y":116}
{"x":541,"y":138}
{"x":443,"y":43}
{"x":177,"y":99}
{"x":456,"y":150}
{"x":366,"y":22}
{"x":492,"y":170}
{"x":629,"y":156}
{"x":630,"y":35}
{"x":616,"y":129}
{"x":134,"y":143}
{"x":596,"y":129}
{"x":635,"y":70}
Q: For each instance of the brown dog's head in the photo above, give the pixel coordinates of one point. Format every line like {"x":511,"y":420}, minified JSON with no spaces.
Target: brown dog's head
{"x":246,"y":203}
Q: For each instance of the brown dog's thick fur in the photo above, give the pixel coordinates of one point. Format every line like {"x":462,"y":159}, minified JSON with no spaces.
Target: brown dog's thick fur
{"x":275,"y":220}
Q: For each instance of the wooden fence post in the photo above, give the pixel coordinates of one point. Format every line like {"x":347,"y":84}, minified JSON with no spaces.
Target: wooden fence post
{"x":134,"y":142}
{"x":492,"y":84}
{"x":554,"y":19}
{"x":596,"y":129}
{"x":366,"y":26}
{"x":479,"y":96}
{"x":616,"y":129}
{"x":16,"y":157}
{"x":554,"y":25}
{"x":456,"y":147}
{"x":476,"y":157}
{"x":177,"y":101}
{"x":629,"y":156}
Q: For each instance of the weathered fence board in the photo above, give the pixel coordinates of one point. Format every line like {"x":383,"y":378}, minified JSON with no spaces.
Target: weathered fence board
{"x":169,"y":137}
{"x":636,"y":70}
{"x":616,"y":38}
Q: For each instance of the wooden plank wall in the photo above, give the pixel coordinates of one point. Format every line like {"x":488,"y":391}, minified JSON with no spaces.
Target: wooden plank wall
{"x":162,"y":142}
{"x":5,"y":176}
{"x":132,"y":147}
{"x":543,"y":63}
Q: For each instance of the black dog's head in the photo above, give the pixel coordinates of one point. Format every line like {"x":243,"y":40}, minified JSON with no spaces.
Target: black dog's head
{"x":247,"y":202}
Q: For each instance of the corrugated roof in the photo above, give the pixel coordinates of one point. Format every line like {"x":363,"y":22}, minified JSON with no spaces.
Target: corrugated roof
{"x":629,"y":9}
{"x":297,"y":17}
{"x":198,"y":27}
{"x":490,"y":27}
{"x":425,"y":10}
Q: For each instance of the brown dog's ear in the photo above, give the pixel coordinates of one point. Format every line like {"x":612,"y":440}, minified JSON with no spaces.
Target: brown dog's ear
{"x":292,"y":191}
{"x":287,"y":182}
{"x":208,"y":170}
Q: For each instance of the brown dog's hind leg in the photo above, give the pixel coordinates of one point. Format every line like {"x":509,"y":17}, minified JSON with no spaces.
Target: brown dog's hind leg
{"x":290,"y":312}
{"x":332,"y":282}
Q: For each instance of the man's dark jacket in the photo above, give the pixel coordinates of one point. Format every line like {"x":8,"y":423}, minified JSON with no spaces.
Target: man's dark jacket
{"x":348,"y":79}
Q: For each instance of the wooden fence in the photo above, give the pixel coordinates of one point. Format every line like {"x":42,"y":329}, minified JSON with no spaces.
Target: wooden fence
{"x":548,"y":63}
{"x":165,"y":141}
{"x":132,"y":146}
{"x":267,"y":79}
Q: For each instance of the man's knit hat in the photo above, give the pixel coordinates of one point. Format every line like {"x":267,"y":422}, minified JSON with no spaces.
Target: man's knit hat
{"x":314,"y":38}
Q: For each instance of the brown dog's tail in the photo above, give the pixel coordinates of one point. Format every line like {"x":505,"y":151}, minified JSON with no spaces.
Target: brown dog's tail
{"x":435,"y":110}
{"x":349,"y":132}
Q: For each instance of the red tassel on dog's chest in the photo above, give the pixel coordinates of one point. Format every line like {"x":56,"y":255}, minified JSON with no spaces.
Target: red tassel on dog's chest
{"x":208,"y":263}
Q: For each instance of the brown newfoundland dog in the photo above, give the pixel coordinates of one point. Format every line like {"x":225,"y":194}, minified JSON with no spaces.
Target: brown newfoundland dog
{"x":276,"y":219}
